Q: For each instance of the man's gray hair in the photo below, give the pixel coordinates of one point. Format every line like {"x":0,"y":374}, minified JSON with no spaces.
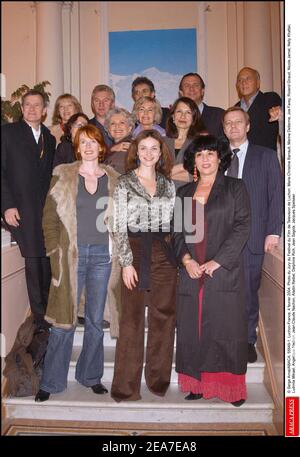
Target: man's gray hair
{"x":103,"y":88}
{"x":122,"y":111}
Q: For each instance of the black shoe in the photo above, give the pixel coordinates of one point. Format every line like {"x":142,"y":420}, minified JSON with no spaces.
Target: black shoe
{"x":99,"y":389}
{"x":238,"y":403}
{"x":252,"y":354}
{"x":105,"y":324}
{"x":80,"y":320}
{"x":192,"y":396}
{"x":42,"y":395}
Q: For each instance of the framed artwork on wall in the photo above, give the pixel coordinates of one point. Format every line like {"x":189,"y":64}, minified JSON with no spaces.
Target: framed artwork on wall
{"x":163,"y":56}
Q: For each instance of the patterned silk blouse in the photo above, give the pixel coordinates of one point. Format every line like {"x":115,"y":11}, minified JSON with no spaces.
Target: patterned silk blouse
{"x":137,"y":211}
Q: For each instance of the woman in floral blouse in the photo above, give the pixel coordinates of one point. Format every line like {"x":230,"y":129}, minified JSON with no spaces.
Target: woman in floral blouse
{"x":144,"y":200}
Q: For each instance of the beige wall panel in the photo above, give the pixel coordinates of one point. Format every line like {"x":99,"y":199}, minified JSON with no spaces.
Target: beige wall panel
{"x":90,"y":49}
{"x":276,"y":46}
{"x":151,"y":15}
{"x":14,"y":296}
{"x":232,"y":43}
{"x":18,"y":44}
{"x":216,"y":92}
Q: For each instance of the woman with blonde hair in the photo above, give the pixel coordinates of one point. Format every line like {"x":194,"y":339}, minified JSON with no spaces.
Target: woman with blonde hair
{"x":147,"y":113}
{"x":65,"y":106}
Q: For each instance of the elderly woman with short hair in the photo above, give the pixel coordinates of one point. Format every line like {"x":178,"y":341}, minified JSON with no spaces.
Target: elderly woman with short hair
{"x":148,"y":113}
{"x":119,"y":123}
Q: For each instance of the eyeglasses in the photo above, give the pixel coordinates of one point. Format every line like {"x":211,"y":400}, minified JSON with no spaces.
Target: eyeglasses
{"x":247,"y":79}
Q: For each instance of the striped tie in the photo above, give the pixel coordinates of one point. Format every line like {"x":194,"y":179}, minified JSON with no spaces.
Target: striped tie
{"x":233,"y":170}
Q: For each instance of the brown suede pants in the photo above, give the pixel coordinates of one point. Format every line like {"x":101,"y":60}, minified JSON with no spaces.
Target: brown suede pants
{"x":161,"y":329}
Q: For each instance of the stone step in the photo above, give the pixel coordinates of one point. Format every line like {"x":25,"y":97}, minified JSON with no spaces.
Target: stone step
{"x":79,"y":403}
{"x":255,"y":371}
{"x":108,"y":341}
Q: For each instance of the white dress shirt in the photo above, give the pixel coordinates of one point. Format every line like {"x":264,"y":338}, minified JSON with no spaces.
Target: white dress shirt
{"x":36,"y":133}
{"x":241,"y":156}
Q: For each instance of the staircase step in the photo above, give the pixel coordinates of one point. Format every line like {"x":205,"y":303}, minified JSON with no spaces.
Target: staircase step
{"x":255,"y":371}
{"x":79,"y":403}
{"x":108,"y":341}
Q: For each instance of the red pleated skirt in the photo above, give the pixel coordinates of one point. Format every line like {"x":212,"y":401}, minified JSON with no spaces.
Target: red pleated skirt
{"x":228,"y":387}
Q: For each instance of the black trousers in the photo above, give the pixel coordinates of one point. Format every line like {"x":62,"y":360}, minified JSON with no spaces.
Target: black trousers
{"x":253,"y":270}
{"x":38,"y":277}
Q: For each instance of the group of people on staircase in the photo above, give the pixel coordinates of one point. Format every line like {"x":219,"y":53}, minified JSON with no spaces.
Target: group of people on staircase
{"x":175,"y":217}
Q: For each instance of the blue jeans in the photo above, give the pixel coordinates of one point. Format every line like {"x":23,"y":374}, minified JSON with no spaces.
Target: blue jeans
{"x":94,"y":267}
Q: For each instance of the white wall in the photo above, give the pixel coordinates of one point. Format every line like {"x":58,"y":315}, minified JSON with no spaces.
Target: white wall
{"x":83,"y":50}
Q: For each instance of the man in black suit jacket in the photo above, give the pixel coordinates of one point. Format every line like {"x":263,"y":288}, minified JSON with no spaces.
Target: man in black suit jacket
{"x":27,"y":157}
{"x":259,"y":168}
{"x":263,"y":131}
{"x":192,"y":86}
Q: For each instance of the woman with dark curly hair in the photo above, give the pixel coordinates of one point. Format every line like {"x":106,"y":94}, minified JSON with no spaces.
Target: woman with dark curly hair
{"x":212,"y":345}
{"x":144,"y":201}
{"x":183,"y":124}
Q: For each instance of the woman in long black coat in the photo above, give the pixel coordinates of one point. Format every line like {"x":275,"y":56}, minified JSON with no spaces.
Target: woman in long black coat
{"x":211,"y":352}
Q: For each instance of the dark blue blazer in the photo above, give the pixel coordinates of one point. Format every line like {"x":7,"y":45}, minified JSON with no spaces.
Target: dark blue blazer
{"x":107,"y":139}
{"x":212,"y":119}
{"x":264,"y":182}
{"x":262,"y":131}
{"x":25,"y":182}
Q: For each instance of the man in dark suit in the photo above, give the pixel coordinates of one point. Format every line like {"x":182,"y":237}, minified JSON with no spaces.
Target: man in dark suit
{"x":192,"y":86}
{"x":144,"y":87}
{"x":263,"y":131}
{"x":27,"y":157}
{"x":102,"y":101}
{"x":259,"y":168}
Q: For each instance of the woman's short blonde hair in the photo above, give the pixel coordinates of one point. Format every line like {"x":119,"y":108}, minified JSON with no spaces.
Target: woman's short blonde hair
{"x":156,"y":104}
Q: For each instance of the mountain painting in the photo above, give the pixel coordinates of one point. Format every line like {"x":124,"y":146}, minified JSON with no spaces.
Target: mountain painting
{"x":163,"y":56}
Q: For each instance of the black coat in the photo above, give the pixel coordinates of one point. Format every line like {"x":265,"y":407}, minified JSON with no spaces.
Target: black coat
{"x":223,"y":344}
{"x":25,"y":183}
{"x":263,"y":132}
{"x":212,"y":119}
{"x":64,"y":153}
{"x":165,"y":114}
